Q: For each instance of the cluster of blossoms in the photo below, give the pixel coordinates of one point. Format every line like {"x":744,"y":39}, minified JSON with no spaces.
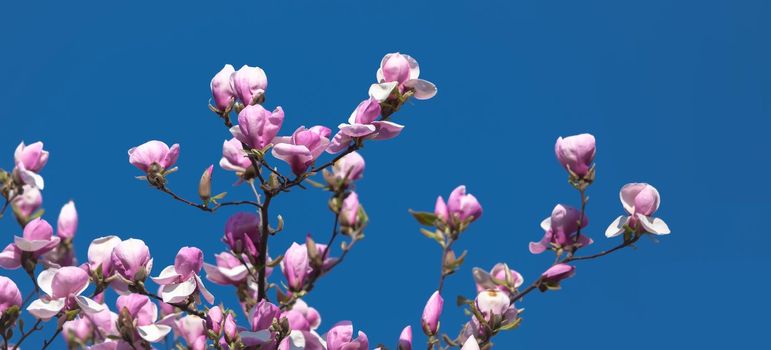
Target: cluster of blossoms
{"x":183,"y":311}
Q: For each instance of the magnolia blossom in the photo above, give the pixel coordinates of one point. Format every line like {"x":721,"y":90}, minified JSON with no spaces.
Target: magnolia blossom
{"x":402,"y":71}
{"x":302,"y":148}
{"x":492,"y":303}
{"x":501,"y":278}
{"x":193,"y":329}
{"x":222,"y":90}
{"x":131,"y":260}
{"x":470,"y":344}
{"x":459,"y":207}
{"x":10,"y":257}
{"x":431,"y":313}
{"x":68,"y":221}
{"x":257,"y":126}
{"x":29,"y":201}
{"x":301,"y":317}
{"x":29,"y":161}
{"x":62,"y":288}
{"x":234,"y":158}
{"x":228,"y":270}
{"x":181,"y":280}
{"x":153,"y":152}
{"x":144,"y":316}
{"x":405,"y":339}
{"x":261,"y":318}
{"x":242,"y":233}
{"x":560,"y":228}
{"x":363,"y":123}
{"x":78,"y":330}
{"x":576,"y":153}
{"x":214,"y":319}
{"x":37,"y":237}
{"x":641,"y":201}
{"x":347,"y":169}
{"x":340,"y":337}
{"x":304,"y":340}
{"x":558,"y":272}
{"x":9,"y":294}
{"x":296,"y":265}
{"x":249,"y":83}
{"x":349,"y":212}
{"x":100,"y":254}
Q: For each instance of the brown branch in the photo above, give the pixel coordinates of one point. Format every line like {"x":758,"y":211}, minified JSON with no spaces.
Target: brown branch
{"x":204,"y":207}
{"x":35,"y":327}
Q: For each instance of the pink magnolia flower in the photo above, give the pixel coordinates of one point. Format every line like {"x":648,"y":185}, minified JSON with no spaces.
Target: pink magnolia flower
{"x":640,"y":200}
{"x":363,"y":123}
{"x":234,"y":158}
{"x":100,"y":254}
{"x":576,"y":153}
{"x":501,"y":278}
{"x":261,"y":318}
{"x":10,"y":257}
{"x":192,"y":329}
{"x":29,"y":201}
{"x":32,"y":157}
{"x":560,"y":228}
{"x":222,"y":88}
{"x":431,"y":314}
{"x":257,"y":126}
{"x":459,"y":207}
{"x":228,"y":270}
{"x":349,"y":212}
{"x":558,"y":272}
{"x":37,"y":237}
{"x":340,"y":337}
{"x":214,"y":319}
{"x":242,"y":233}
{"x":349,"y":168}
{"x":492,"y":303}
{"x":68,"y":221}
{"x":181,"y":280}
{"x":296,"y":266}
{"x":405,"y":339}
{"x":305,"y":340}
{"x":63,"y":288}
{"x":230,"y":329}
{"x":131,"y":260}
{"x":302,"y":148}
{"x":402,"y":71}
{"x":78,"y":330}
{"x":144,"y":316}
{"x":105,"y":321}
{"x":153,"y":152}
{"x":310,"y":315}
{"x":470,"y":344}
{"x":9,"y":294}
{"x":249,"y":83}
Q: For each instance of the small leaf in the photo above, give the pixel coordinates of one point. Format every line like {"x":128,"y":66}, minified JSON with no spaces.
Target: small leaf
{"x":275,"y":261}
{"x":511,"y":325}
{"x":424,"y":217}
{"x":219,"y":196}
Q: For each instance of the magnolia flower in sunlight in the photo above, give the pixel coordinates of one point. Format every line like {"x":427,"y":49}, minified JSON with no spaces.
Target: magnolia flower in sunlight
{"x":192,"y":329}
{"x":349,"y":212}
{"x":302,"y":148}
{"x":296,"y":265}
{"x":37,"y":238}
{"x":492,"y":303}
{"x":10,"y":257}
{"x":10,"y":295}
{"x":261,"y":318}
{"x":470,"y":344}
{"x":152,"y":153}
{"x":431,"y":313}
{"x":131,"y":260}
{"x":310,"y":315}
{"x":68,"y":221}
{"x":228,"y":270}
{"x":363,"y":123}
{"x":181,"y":280}
{"x":460,"y":207}
{"x":640,"y":200}
{"x":242,"y":233}
{"x":100,"y":254}
{"x":257,"y":126}
{"x":222,"y":89}
{"x":349,"y":168}
{"x":560,"y":228}
{"x":501,"y":278}
{"x":307,"y":341}
{"x":28,"y":202}
{"x":234,"y":158}
{"x":143,"y":317}
{"x":62,"y":288}
{"x":400,"y":71}
{"x":576,"y":153}
{"x":340,"y":337}
{"x":29,"y":160}
{"x":78,"y":330}
{"x":405,"y":339}
{"x":557,"y":273}
{"x":249,"y":83}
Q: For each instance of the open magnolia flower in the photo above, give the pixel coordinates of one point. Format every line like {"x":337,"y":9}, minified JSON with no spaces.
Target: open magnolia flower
{"x":29,"y":160}
{"x":63,"y":288}
{"x":501,"y":278}
{"x":302,"y":148}
{"x":37,"y":237}
{"x":140,"y":314}
{"x":560,"y":230}
{"x":180,"y":281}
{"x":228,"y":270}
{"x":152,"y":153}
{"x":641,"y":201}
{"x":234,"y":158}
{"x":400,"y":71}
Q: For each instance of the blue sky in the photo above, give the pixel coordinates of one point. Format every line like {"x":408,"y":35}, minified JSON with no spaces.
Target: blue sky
{"x":677,"y":94}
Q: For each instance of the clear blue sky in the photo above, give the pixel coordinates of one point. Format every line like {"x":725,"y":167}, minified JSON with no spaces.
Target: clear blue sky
{"x":677,"y":94}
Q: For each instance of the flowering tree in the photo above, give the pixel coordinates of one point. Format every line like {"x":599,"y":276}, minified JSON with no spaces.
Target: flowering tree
{"x":278,"y":318}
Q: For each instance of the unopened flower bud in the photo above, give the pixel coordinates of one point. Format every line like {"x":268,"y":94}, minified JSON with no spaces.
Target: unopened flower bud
{"x":204,"y":186}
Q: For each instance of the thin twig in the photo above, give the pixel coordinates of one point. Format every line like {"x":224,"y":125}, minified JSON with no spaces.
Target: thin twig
{"x":25,"y":335}
{"x":203,"y":206}
{"x":53,"y":337}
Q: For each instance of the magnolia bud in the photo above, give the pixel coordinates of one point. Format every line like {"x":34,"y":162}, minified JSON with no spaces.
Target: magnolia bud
{"x":204,"y":186}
